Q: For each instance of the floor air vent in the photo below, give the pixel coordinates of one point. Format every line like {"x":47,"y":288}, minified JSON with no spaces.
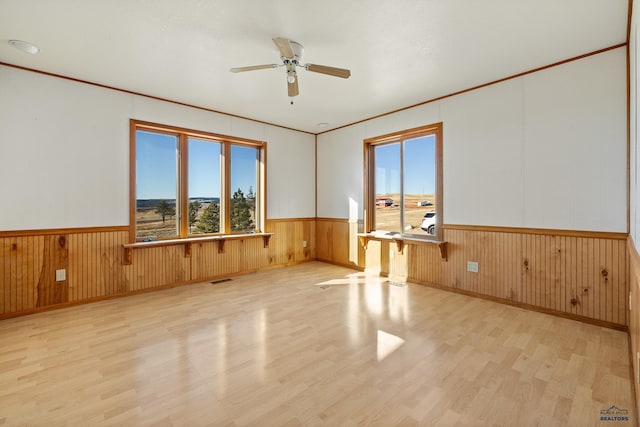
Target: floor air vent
{"x":215,"y":282}
{"x":398,"y":284}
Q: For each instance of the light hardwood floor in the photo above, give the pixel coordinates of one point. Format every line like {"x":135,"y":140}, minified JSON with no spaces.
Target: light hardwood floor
{"x":313,"y":344}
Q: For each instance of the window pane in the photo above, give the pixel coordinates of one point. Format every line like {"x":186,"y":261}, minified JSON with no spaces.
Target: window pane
{"x":204,"y":186}
{"x":244,"y":182}
{"x":387,"y":188}
{"x":156,"y":185}
{"x":420,"y":185}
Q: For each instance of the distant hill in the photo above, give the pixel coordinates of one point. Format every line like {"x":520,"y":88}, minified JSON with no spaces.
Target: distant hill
{"x":152,"y":203}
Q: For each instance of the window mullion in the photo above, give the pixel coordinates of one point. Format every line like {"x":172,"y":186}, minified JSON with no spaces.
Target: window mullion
{"x":225,"y":198}
{"x":183,"y":186}
{"x":256,"y":208}
{"x":402,"y":203}
{"x":370,"y":183}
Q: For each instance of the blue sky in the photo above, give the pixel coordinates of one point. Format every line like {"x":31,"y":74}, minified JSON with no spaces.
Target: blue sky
{"x":204,"y":168}
{"x":156,"y":167}
{"x":243,"y":168}
{"x":419,"y":167}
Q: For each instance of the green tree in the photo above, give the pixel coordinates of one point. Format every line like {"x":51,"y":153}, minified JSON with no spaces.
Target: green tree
{"x":209,"y":221}
{"x":241,"y":212}
{"x":251,"y":199}
{"x":194,"y":207}
{"x":165,"y":209}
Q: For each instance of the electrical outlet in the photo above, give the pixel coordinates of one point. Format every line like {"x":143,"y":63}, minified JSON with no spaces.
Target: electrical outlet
{"x":304,"y":243}
{"x":472,"y":266}
{"x":391,"y":254}
{"x":61,"y":275}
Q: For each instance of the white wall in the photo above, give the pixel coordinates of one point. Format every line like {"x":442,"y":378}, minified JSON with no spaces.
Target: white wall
{"x":545,"y":150}
{"x":340,"y":173}
{"x":64,"y":148}
{"x":291,"y":163}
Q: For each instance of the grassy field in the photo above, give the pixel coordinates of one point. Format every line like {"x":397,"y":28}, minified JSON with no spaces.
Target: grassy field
{"x":150,"y":225}
{"x":388,"y":217}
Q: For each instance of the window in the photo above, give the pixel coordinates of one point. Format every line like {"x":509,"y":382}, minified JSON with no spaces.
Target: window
{"x":156,"y":185}
{"x":244,"y":179}
{"x":186,"y":183}
{"x":204,"y":186}
{"x":403,"y":192}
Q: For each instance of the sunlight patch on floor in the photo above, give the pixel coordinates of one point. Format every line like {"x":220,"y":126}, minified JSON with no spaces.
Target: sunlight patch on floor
{"x":387,"y":344}
{"x":355,"y":279}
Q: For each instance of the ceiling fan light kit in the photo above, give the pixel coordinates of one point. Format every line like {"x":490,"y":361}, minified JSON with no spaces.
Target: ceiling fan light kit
{"x":291,"y":56}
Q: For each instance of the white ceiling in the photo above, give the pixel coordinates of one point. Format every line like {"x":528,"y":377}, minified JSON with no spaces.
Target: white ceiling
{"x":400,"y":52}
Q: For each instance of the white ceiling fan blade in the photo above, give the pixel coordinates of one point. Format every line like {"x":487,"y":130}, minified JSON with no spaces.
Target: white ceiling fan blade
{"x":284,"y":46}
{"x":253,"y":67}
{"x":293,"y":88}
{"x":331,"y":71}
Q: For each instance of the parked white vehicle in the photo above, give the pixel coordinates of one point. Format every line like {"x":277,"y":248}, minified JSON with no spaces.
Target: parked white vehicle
{"x":429,"y":223}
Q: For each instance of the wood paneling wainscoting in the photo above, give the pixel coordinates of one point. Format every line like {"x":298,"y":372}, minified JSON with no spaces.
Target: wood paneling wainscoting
{"x":634,"y":320}
{"x":581,"y":275}
{"x":576,"y":274}
{"x":338,"y":244}
{"x":286,"y":247}
{"x":93,"y":260}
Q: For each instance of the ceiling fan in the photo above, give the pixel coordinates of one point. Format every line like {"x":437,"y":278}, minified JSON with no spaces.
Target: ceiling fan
{"x":291,"y":55}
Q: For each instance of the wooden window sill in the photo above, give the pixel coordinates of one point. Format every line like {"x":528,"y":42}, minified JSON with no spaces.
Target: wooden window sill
{"x":401,"y":241}
{"x":188,"y":242}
